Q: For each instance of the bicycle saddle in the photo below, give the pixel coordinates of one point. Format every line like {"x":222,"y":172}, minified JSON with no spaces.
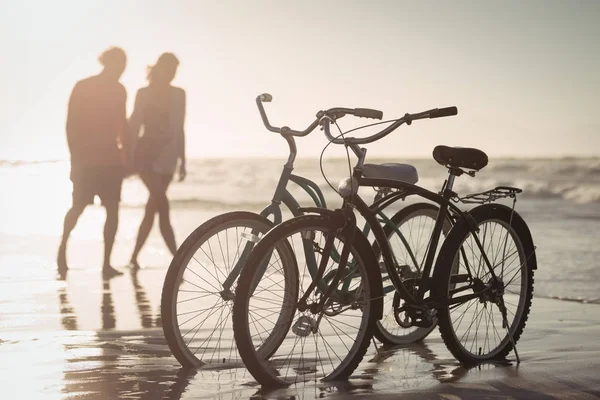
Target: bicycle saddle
{"x":460,"y":157}
{"x":398,"y":172}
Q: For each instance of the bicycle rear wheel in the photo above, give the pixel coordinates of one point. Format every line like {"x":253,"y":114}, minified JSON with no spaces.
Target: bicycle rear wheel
{"x":409,"y":240}
{"x":483,"y":308}
{"x":306,"y":342}
{"x":199,"y":288}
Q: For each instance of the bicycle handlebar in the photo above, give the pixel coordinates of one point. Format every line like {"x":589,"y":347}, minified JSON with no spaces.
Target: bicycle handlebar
{"x":443,"y":112}
{"x":335,"y":113}
{"x":284,"y":130}
{"x":325,"y":117}
{"x":287,"y":131}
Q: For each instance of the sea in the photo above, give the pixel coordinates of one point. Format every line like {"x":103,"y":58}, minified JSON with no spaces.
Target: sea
{"x":560,"y":202}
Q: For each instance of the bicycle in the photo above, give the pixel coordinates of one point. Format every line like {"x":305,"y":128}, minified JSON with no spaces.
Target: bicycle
{"x":320,"y":328}
{"x":200,"y":282}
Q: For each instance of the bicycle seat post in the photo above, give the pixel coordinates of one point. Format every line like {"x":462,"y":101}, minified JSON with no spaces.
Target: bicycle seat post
{"x":447,"y":189}
{"x":447,"y":194}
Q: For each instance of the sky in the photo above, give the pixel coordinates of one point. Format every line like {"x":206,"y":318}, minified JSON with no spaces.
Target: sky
{"x":525,"y":75}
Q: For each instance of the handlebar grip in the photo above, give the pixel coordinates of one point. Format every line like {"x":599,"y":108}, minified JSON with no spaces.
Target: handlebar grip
{"x":443,"y":112}
{"x":265,"y":97}
{"x":368,"y":113}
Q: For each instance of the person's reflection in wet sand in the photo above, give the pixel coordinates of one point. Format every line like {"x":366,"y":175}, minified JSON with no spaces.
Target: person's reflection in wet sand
{"x":158,"y":322}
{"x":141,"y":301}
{"x":109,"y":320}
{"x":68,"y":318}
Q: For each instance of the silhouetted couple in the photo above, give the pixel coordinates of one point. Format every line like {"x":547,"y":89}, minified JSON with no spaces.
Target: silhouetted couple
{"x":105,"y":147}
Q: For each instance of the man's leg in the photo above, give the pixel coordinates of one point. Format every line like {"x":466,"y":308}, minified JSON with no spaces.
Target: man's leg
{"x":110,"y":231}
{"x":83,"y":195}
{"x":71,"y":219}
{"x":109,"y":190}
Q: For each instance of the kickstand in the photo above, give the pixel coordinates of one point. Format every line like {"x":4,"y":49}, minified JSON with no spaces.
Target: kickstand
{"x":375,"y":344}
{"x":514,"y":348}
{"x":512,"y":340}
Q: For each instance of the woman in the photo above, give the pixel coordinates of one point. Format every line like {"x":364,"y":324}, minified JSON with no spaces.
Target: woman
{"x":158,"y":114}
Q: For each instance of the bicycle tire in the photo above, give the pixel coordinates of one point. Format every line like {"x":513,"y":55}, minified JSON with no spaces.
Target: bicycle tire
{"x":488,"y":219}
{"x":270,"y":371}
{"x":215,"y":345}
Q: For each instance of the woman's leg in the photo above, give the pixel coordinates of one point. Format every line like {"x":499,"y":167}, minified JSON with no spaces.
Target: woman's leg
{"x":158,"y":184}
{"x":164,"y":218}
{"x":144,"y":231}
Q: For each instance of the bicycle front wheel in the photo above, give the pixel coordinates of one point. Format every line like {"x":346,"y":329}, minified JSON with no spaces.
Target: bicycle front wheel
{"x":309,"y":341}
{"x":199,"y":288}
{"x":484,"y":304}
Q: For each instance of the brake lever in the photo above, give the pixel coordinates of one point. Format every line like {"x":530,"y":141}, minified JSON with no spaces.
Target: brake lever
{"x":332,"y":116}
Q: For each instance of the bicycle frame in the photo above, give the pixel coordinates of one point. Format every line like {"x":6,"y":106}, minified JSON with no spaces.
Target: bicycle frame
{"x":282,"y":195}
{"x":446,"y":210}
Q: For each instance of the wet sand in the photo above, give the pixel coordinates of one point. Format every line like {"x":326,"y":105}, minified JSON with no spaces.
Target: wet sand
{"x":85,"y":338}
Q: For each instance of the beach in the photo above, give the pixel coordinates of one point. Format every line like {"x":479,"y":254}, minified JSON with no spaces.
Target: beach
{"x":84,"y":338}
{"x":231,"y":95}
{"x":88,"y":338}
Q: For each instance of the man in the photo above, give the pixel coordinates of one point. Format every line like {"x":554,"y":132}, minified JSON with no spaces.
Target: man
{"x":97,"y":139}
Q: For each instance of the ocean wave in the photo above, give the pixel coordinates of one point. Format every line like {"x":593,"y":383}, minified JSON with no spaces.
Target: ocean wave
{"x":19,"y":163}
{"x":585,"y":194}
{"x":572,"y":299}
{"x":207,"y":204}
{"x":580,"y":168}
{"x":199,"y":196}
{"x":241,"y":183}
{"x":575,"y":192}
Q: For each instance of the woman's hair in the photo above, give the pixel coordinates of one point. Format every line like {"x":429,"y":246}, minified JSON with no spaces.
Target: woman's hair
{"x":113,"y":57}
{"x":164,"y":69}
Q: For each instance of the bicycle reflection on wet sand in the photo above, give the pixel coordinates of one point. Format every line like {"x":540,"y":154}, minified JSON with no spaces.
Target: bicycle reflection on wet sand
{"x":114,"y":364}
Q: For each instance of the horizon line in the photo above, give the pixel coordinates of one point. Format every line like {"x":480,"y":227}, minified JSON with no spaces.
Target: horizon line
{"x":399,"y":159}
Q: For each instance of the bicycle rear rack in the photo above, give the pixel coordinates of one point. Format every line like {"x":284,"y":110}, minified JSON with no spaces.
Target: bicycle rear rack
{"x":488,"y":196}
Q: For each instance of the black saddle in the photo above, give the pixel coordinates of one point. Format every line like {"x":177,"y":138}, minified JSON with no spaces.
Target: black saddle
{"x":460,"y":157}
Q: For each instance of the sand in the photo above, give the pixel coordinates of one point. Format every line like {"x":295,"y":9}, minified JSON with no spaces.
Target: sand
{"x":91,"y":339}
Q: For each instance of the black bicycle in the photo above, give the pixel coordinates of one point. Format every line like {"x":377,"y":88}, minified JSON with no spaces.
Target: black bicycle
{"x":318,"y":325}
{"x":201,"y":281}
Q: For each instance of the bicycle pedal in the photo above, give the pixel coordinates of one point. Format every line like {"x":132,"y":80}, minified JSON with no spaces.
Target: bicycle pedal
{"x":304,"y":326}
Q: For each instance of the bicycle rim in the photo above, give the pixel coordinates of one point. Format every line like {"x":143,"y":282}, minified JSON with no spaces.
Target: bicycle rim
{"x":317,"y":344}
{"x":196,"y":307}
{"x":486,"y":326}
